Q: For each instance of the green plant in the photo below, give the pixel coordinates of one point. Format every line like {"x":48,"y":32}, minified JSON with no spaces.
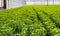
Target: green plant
{"x":32,"y":20}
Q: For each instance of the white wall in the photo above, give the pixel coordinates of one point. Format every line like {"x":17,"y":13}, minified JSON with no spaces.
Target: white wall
{"x":18,"y":3}
{"x":14,"y":3}
{"x":1,"y":3}
{"x":43,"y":2}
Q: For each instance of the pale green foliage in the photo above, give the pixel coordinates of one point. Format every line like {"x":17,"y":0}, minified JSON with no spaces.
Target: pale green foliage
{"x":30,"y":21}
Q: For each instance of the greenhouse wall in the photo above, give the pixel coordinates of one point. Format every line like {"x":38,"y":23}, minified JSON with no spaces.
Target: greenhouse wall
{"x":1,"y":4}
{"x":18,"y":3}
{"x":14,"y":3}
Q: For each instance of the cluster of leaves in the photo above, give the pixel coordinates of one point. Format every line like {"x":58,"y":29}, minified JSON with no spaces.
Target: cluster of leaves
{"x":30,"y":21}
{"x":50,"y":19}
